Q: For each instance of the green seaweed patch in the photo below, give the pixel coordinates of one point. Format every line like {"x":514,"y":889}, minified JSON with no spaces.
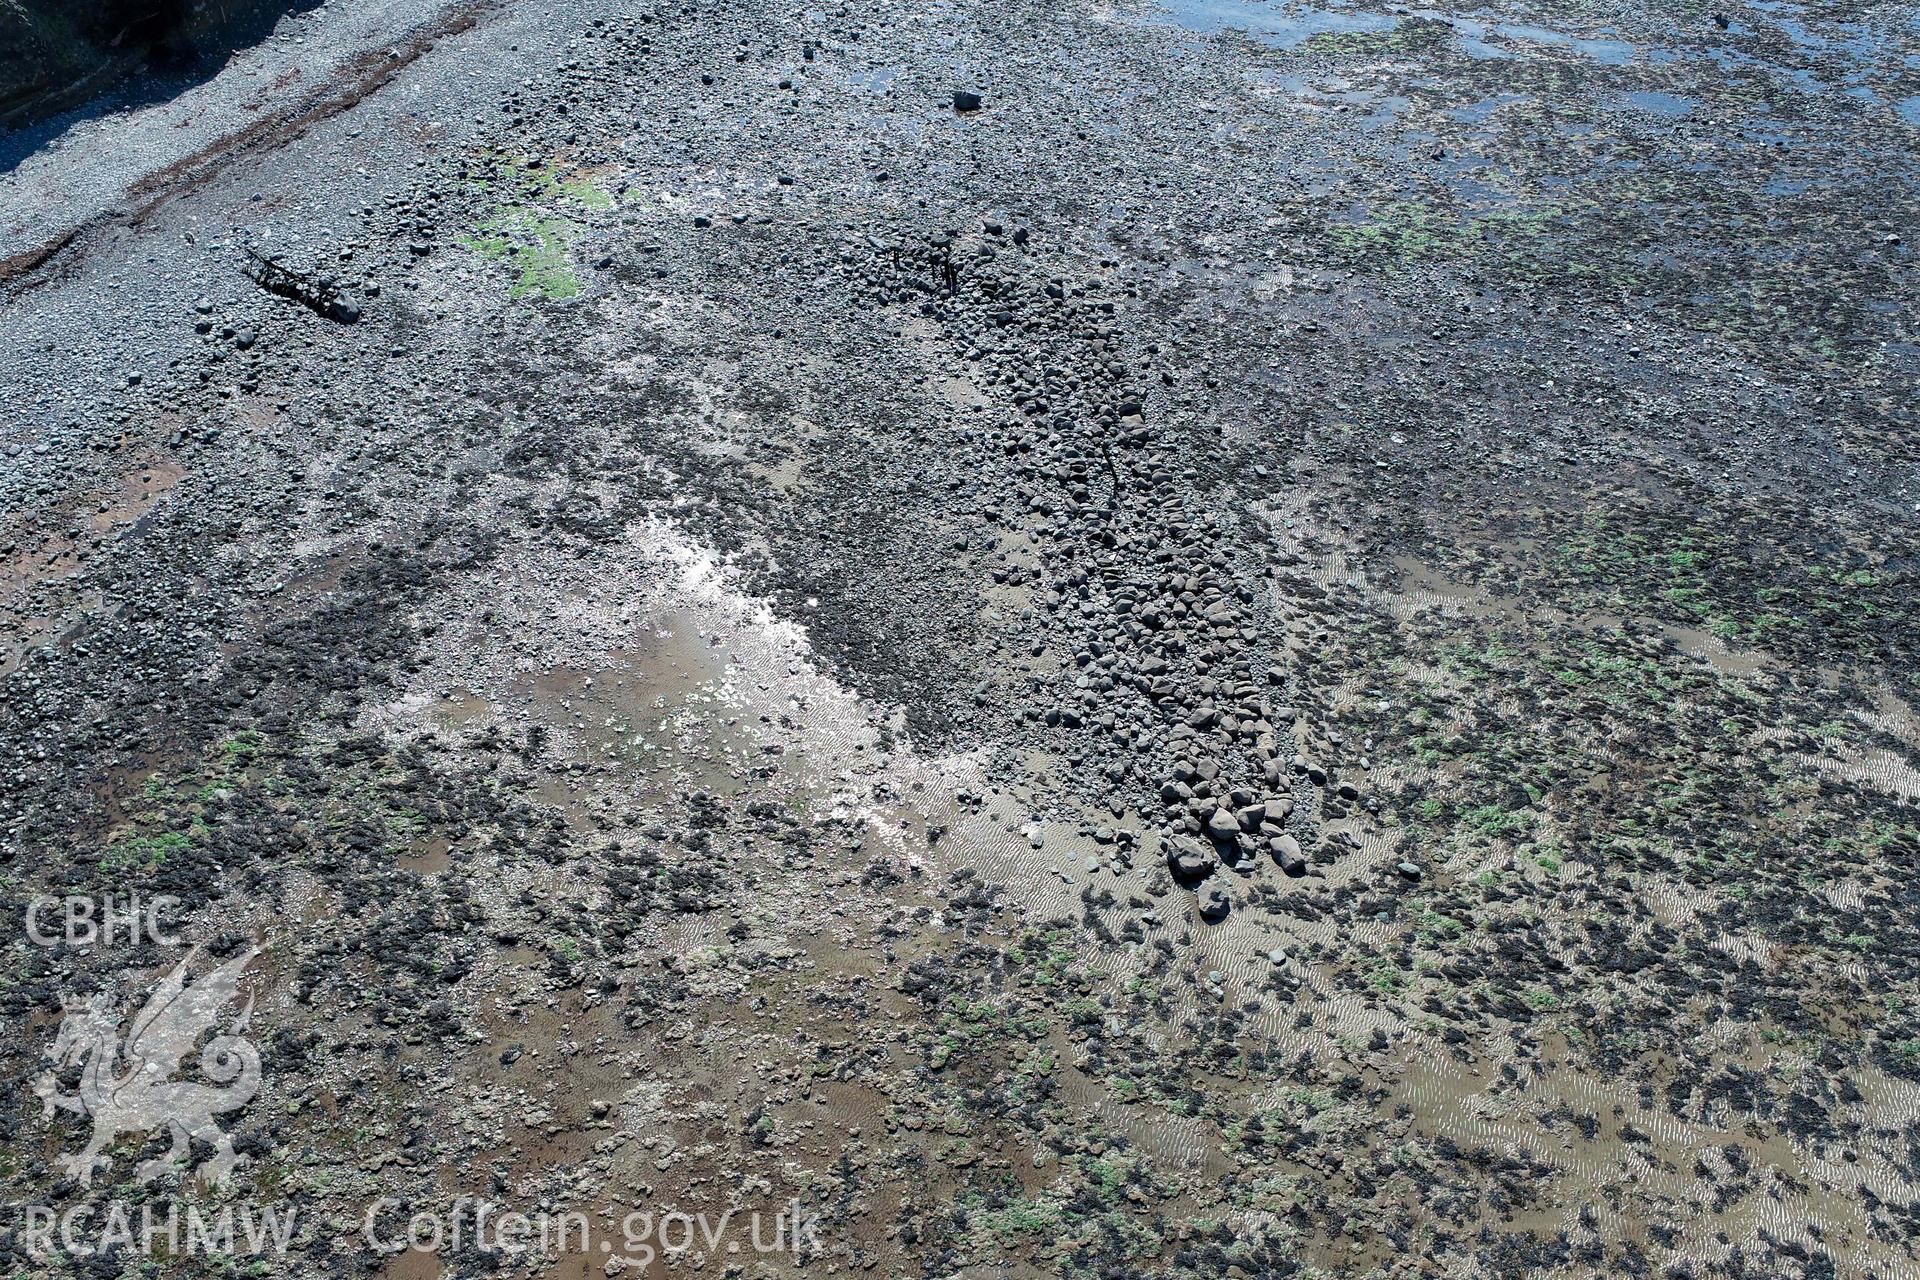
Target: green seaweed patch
{"x":1409,"y":36}
{"x":538,"y":247}
{"x":1408,"y":232}
{"x":1707,"y":577}
{"x":137,"y":854}
{"x":1651,"y":761}
{"x":533,"y":224}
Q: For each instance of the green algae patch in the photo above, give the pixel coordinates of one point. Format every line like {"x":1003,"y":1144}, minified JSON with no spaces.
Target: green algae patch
{"x":538,"y":247}
{"x":1404,"y":230}
{"x":1409,"y":232}
{"x":1741,"y":588}
{"x":537,"y":216}
{"x":1410,"y":36}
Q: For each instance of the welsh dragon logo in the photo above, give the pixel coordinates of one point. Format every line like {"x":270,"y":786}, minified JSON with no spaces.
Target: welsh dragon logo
{"x":127,"y":1085}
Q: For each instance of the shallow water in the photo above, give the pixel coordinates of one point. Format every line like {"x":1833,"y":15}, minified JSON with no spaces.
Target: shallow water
{"x":1278,"y":26}
{"x":1670,"y":105}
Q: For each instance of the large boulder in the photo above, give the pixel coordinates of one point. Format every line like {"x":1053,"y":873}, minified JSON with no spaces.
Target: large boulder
{"x":1189,"y":860}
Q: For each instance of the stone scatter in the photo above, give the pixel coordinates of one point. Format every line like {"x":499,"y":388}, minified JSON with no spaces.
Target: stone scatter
{"x":1153,"y":640}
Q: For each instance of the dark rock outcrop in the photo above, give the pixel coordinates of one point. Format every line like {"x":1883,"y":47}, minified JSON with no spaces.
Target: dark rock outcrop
{"x":57,"y":54}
